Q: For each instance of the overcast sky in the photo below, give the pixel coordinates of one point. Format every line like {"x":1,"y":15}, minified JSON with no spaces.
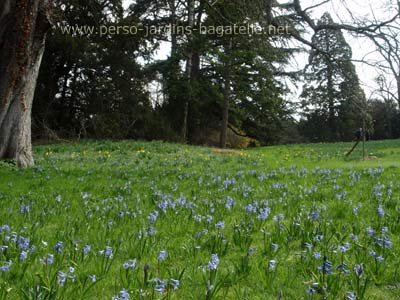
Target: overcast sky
{"x":342,"y":11}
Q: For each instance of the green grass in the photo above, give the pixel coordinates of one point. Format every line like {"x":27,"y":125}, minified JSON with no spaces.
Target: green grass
{"x":283,"y":209}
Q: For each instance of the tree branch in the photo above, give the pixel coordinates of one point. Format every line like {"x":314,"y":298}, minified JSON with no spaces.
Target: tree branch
{"x":373,"y":27}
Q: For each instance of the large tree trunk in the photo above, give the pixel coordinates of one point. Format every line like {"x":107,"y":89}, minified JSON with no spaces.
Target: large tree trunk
{"x":23,"y":27}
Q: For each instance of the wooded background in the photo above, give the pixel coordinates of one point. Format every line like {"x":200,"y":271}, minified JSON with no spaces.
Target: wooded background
{"x":232,"y":90}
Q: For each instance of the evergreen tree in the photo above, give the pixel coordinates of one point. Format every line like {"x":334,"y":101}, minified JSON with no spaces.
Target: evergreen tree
{"x":332,"y":96}
{"x":244,"y":66}
{"x":90,"y":81}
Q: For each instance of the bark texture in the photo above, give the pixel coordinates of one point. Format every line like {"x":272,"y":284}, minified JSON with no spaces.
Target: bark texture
{"x":23,"y":27}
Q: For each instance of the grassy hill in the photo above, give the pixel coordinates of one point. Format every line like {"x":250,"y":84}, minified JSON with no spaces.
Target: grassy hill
{"x":97,"y":220}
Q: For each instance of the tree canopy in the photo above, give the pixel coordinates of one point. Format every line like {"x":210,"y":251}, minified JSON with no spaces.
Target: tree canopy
{"x":227,"y":79}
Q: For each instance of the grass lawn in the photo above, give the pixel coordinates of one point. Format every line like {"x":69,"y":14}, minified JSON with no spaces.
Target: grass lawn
{"x":152,"y":220}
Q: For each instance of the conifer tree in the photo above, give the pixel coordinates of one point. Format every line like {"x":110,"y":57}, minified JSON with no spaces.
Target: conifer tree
{"x":332,"y":96}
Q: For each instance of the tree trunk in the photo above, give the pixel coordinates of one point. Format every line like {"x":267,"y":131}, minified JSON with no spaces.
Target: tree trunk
{"x":227,"y":96}
{"x":23,"y":27}
{"x":72,"y":99}
{"x":331,"y":103}
{"x":398,"y":90}
{"x":174,"y":23}
{"x":189,"y":63}
{"x":225,"y":111}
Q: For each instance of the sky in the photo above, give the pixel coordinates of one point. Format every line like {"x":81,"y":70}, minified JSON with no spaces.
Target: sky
{"x":363,"y":49}
{"x":342,"y":11}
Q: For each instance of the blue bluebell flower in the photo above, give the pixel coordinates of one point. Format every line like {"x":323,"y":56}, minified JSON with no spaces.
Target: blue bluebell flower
{"x":59,"y":247}
{"x":264,"y":213}
{"x":85,"y":195}
{"x":370,"y":231}
{"x":174,"y":283}
{"x":197,"y":218}
{"x":252,"y":250}
{"x":62,"y":278}
{"x":220,"y":225}
{"x":230,"y":202}
{"x":108,"y":252}
{"x":326,"y":266}
{"x":48,"y":259}
{"x":387,"y":242}
{"x":384,"y":242}
{"x":23,"y":255}
{"x":6,"y":267}
{"x":310,"y":291}
{"x":250,"y":208}
{"x":131,"y":264}
{"x":209,"y":219}
{"x":317,"y":255}
{"x":315,"y":215}
{"x":355,"y":210}
{"x":25,"y":208}
{"x":214,"y":262}
{"x":123,"y":295}
{"x":308,"y":246}
{"x":381,"y":211}
{"x":354,"y":237}
{"x":272,"y":265}
{"x":278,"y":217}
{"x":344,"y":248}
{"x":87,"y":249}
{"x":343,"y":267}
{"x":23,"y":243}
{"x":358,"y":270}
{"x":162,"y":255}
{"x":160,"y":286}
{"x":4,"y":229}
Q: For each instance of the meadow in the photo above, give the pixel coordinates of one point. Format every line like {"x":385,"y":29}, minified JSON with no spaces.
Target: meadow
{"x":152,"y":220}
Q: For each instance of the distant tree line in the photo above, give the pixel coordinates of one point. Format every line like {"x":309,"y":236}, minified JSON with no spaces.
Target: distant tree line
{"x":221,"y":90}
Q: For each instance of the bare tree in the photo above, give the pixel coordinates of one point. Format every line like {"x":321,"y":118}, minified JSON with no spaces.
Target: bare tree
{"x":387,"y":42}
{"x":23,"y":27}
{"x":300,"y":17}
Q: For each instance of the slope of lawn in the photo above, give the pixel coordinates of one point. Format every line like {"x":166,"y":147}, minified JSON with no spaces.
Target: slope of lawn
{"x":151,"y":220}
